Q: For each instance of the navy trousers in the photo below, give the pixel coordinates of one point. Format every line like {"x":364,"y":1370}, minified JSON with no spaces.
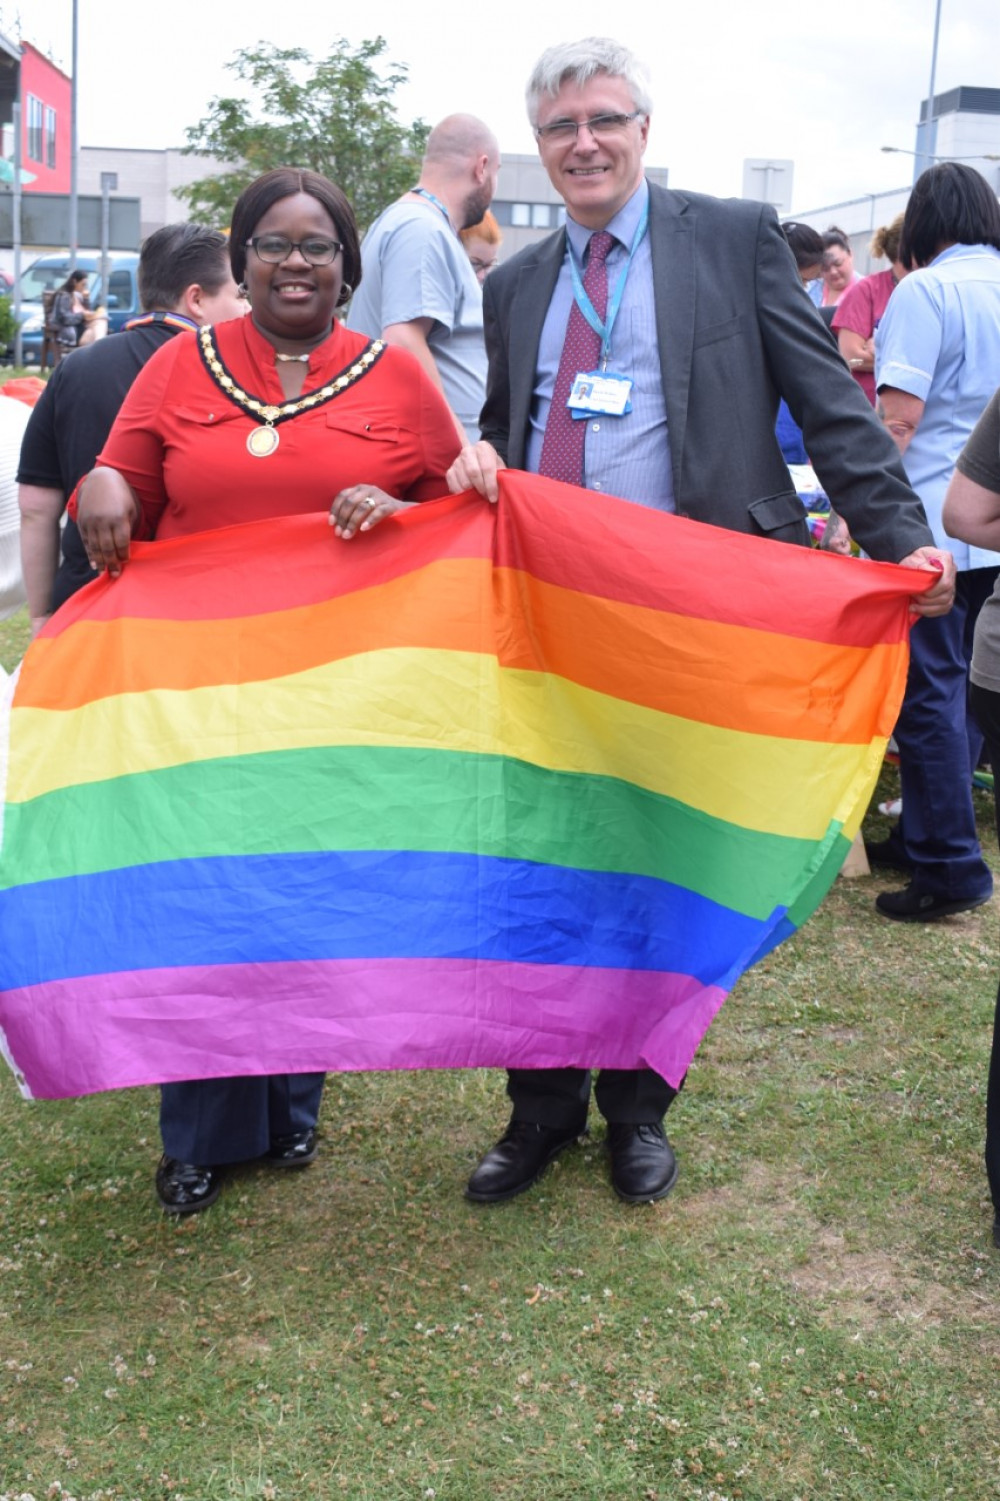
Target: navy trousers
{"x":214,"y":1121}
{"x":938,"y":749}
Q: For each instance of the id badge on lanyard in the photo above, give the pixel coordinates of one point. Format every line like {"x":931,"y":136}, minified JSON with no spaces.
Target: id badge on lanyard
{"x":601,"y":392}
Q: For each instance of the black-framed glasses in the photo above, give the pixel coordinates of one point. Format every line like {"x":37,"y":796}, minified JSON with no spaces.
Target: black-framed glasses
{"x":601,"y":127}
{"x":318,"y":250}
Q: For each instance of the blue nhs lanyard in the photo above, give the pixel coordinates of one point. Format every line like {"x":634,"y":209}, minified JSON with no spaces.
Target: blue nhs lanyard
{"x":583,"y":302}
{"x":433,"y":198}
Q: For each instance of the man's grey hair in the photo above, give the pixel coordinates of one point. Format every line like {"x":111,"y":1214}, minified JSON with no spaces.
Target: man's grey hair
{"x":578,"y":62}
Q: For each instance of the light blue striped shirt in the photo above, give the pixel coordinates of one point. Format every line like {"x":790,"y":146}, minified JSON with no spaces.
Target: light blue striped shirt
{"x":627,"y":456}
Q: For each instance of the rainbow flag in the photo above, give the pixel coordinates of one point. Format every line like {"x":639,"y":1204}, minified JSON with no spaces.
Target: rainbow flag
{"x":530,"y":784}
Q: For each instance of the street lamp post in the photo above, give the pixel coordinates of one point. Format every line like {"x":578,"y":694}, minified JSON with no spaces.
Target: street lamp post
{"x":74,"y":144}
{"x":980,"y":156}
{"x":16,"y":207}
{"x":930,"y":124}
{"x":109,"y":185}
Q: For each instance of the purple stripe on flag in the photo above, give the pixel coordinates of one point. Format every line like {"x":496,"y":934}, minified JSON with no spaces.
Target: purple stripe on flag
{"x":75,"y":1037}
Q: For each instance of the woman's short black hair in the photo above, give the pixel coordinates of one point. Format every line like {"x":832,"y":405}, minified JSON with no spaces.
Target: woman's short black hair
{"x":951,"y":204}
{"x":804,"y":242}
{"x":264,"y":192}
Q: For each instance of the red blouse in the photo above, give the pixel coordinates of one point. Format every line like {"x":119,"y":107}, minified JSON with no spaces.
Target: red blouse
{"x":182,"y":443}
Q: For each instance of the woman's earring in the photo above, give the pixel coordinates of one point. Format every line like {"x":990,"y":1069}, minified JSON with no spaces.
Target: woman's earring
{"x":346,"y":293}
{"x":244,"y":291}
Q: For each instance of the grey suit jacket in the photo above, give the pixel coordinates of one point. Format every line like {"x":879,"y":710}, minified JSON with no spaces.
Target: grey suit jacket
{"x":736,"y":331}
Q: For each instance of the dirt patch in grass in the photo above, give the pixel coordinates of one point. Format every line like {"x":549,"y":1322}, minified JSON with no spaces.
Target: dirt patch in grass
{"x":845,"y":1284}
{"x":762,"y":1204}
{"x":867,"y":1287}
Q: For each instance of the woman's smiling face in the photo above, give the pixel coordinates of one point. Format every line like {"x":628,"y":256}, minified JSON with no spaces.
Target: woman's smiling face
{"x":291,"y":299}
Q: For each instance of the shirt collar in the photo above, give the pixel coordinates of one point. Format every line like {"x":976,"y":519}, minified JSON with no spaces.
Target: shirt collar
{"x":623,"y":226}
{"x":954,"y":251}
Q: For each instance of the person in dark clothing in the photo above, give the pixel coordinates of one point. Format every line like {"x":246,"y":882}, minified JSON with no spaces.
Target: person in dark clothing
{"x":69,"y":312}
{"x":185,"y":281}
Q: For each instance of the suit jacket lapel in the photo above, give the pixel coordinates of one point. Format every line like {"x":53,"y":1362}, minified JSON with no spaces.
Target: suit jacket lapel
{"x":672,"y":246}
{"x":528,"y":308}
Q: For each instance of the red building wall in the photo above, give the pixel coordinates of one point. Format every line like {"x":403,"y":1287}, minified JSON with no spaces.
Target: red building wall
{"x":46,"y":92}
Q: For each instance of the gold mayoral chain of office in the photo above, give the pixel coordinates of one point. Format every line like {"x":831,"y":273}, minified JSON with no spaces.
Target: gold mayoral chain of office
{"x":264,"y":440}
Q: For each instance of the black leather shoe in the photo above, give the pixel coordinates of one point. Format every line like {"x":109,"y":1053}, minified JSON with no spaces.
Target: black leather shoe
{"x":886,"y":852}
{"x":185,"y":1188}
{"x":519,"y":1158}
{"x":643,"y":1165}
{"x":297,"y":1149}
{"x":913,"y":905}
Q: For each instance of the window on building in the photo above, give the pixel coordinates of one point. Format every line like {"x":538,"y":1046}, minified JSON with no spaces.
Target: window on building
{"x":528,"y":215}
{"x":120,"y":290}
{"x":50,"y":137}
{"x":35,"y":129}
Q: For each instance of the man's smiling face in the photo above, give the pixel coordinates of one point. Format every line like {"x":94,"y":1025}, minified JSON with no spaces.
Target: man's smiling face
{"x":595,"y":175}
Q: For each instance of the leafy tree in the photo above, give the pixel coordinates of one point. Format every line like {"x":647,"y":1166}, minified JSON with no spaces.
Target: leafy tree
{"x":8,"y":323}
{"x":336,"y":116}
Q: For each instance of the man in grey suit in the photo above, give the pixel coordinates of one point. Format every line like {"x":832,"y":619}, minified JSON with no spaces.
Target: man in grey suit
{"x":641,"y":353}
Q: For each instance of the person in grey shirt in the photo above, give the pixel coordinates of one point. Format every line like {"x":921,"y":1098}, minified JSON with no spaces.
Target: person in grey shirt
{"x":419,"y":290}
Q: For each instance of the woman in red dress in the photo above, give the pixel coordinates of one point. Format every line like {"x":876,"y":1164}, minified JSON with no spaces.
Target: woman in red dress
{"x":275,"y":414}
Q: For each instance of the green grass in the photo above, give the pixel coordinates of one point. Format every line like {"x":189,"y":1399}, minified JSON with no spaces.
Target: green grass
{"x":13,"y":639}
{"x":814,"y":1313}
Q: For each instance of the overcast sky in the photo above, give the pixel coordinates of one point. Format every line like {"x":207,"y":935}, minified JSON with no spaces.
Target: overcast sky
{"x":826,"y":86}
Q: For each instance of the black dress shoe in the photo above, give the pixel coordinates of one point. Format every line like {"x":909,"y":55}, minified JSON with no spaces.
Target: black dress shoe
{"x":914,"y":905}
{"x":185,"y":1188}
{"x":297,"y":1149}
{"x":643,"y":1166}
{"x":519,"y":1158}
{"x":886,"y":852}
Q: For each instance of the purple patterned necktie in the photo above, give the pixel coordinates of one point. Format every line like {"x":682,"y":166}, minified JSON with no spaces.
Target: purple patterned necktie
{"x":562,"y":446}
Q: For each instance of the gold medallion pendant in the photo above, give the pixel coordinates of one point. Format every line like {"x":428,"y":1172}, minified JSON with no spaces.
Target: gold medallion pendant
{"x":262,"y":442}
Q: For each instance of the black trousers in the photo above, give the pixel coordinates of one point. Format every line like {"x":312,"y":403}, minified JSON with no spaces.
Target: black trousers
{"x":215,"y":1121}
{"x":558,"y":1097}
{"x":986,"y":707}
